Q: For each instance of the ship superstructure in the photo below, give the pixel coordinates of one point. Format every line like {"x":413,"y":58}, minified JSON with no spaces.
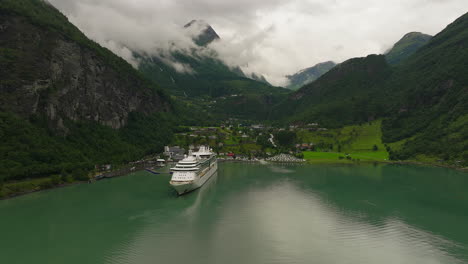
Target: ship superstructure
{"x":194,"y":170}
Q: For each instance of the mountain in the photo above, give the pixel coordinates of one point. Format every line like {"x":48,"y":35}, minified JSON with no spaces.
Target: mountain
{"x":344,"y":95}
{"x":205,"y":81}
{"x":260,"y":78}
{"x":429,"y":116}
{"x":423,"y":100}
{"x":309,"y":75}
{"x":206,"y":35}
{"x":406,"y":46}
{"x":66,"y":103}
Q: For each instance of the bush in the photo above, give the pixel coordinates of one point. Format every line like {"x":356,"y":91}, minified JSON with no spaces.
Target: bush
{"x":299,"y":155}
{"x":68,"y":178}
{"x":46,"y":184}
{"x":56,"y":179}
{"x":80,"y":175}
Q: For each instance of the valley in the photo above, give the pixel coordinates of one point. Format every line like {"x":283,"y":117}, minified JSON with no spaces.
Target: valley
{"x":69,"y":104}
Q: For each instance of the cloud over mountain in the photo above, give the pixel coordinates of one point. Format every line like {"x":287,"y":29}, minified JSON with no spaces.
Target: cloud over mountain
{"x":269,"y":37}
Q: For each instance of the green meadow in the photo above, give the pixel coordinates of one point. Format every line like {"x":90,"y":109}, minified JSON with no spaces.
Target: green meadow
{"x":347,"y":144}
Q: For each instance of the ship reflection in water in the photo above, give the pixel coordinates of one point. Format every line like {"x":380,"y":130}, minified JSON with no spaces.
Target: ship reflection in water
{"x":248,"y":213}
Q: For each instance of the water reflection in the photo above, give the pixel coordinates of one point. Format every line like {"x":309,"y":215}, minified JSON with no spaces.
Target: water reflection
{"x":299,"y":227}
{"x":283,"y":217}
{"x":248,"y":213}
{"x":200,"y":196}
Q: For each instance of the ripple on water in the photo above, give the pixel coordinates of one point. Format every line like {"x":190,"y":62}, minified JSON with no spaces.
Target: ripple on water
{"x":252,"y":214}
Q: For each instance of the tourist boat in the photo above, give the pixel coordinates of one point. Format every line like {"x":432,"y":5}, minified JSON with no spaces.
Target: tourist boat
{"x":160,"y":162}
{"x":194,"y":170}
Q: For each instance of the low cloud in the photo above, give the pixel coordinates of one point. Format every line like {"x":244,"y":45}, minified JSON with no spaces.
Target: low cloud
{"x":269,"y":37}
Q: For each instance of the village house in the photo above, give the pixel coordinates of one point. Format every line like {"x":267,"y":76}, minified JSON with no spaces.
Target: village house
{"x":259,"y":126}
{"x":105,"y":167}
{"x":175,"y":153}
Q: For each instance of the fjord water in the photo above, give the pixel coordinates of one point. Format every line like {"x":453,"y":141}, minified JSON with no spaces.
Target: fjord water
{"x":248,"y":213}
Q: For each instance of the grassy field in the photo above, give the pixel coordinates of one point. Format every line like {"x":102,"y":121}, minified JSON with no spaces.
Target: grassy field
{"x":324,"y":157}
{"x":358,"y":143}
{"x":335,"y":157}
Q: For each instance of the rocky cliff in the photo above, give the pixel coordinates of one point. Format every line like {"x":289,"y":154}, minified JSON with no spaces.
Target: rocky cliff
{"x":45,"y":71}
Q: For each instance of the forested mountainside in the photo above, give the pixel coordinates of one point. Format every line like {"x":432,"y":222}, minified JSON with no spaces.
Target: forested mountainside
{"x":309,"y":75}
{"x":344,"y":95}
{"x":430,"y":95}
{"x":66,"y":103}
{"x":206,"y":80}
{"x":406,"y":47}
{"x":214,"y":88}
{"x":423,"y":100}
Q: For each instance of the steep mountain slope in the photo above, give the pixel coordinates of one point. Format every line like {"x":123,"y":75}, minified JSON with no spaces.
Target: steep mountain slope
{"x":344,"y":95}
{"x":406,"y":46}
{"x":423,"y":99}
{"x":204,"y":77}
{"x":71,"y":93}
{"x":431,"y":98}
{"x":309,"y":75}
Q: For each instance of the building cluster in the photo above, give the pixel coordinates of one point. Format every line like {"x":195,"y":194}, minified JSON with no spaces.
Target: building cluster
{"x":174,"y":153}
{"x":305,"y":147}
{"x":211,"y":133}
{"x":233,"y":135}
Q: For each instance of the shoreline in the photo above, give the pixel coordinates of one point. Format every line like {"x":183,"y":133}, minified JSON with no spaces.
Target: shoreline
{"x":346,"y":162}
{"x":307,"y":162}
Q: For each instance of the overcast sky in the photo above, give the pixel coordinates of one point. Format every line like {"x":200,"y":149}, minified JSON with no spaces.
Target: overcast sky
{"x":270,"y":37}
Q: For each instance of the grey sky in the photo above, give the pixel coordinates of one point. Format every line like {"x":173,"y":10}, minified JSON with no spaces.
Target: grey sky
{"x":270,"y":37}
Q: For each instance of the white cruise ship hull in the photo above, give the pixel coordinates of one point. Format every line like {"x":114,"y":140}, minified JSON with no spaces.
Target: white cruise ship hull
{"x":183,"y":187}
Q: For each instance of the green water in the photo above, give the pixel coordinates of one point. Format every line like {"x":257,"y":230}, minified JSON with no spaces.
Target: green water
{"x":247,"y":214}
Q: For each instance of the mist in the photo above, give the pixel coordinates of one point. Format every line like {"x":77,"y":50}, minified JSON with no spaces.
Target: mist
{"x":273,"y":38}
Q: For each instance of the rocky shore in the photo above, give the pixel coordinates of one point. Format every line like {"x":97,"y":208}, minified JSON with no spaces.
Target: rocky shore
{"x":286,"y":158}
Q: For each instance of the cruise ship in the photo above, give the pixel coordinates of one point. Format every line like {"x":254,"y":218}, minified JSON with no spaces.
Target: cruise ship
{"x":194,"y":170}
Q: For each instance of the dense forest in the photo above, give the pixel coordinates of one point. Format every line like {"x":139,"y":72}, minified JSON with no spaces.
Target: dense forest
{"x":68,"y":104}
{"x":430,"y":91}
{"x":29,"y":149}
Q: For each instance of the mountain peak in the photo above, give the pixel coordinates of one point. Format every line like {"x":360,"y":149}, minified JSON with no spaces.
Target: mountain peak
{"x":406,"y":46}
{"x":204,"y":33}
{"x":309,"y":75}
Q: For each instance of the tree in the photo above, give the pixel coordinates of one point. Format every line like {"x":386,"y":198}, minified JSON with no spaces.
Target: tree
{"x":286,"y":138}
{"x":263,"y":141}
{"x":375,"y":148}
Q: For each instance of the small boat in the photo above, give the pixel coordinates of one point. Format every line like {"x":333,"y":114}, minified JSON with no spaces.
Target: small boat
{"x":160,"y":162}
{"x":151,"y":170}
